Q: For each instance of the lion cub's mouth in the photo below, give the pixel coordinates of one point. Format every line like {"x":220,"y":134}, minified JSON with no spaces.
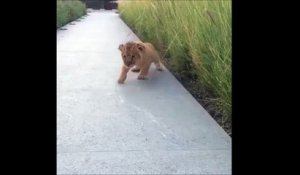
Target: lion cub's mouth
{"x":130,"y":63}
{"x":129,"y":66}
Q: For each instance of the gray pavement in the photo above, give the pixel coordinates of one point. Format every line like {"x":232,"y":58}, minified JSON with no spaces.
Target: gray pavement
{"x":141,"y":127}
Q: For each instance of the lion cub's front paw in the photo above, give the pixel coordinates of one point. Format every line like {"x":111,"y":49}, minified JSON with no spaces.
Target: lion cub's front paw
{"x":121,"y":81}
{"x":135,"y":70}
{"x":142,"y":77}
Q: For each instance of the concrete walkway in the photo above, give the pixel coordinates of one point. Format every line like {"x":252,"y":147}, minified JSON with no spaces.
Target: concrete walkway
{"x":140,"y":127}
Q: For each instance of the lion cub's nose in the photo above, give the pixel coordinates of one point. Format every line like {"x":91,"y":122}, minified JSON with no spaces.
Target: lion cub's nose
{"x":128,"y":63}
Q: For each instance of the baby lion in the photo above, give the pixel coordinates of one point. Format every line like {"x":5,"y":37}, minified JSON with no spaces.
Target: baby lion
{"x":140,"y":55}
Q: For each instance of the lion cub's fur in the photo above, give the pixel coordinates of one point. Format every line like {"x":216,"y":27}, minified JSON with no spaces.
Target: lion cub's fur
{"x":138,"y":54}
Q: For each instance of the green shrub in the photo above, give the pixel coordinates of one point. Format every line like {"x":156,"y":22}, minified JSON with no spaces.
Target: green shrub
{"x":67,"y":11}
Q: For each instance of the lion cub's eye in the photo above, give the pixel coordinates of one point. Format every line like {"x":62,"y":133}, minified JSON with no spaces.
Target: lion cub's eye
{"x":124,"y":56}
{"x":133,"y":56}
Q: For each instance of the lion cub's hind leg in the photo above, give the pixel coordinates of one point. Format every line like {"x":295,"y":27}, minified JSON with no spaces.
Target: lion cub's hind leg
{"x":157,"y":63}
{"x":158,"y":66}
{"x":144,"y":71}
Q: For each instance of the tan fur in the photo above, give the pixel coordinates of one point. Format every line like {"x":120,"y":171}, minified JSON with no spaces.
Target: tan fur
{"x":141,"y":55}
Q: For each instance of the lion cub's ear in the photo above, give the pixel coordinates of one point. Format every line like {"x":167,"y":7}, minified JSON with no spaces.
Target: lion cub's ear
{"x":141,"y":47}
{"x":121,"y":46}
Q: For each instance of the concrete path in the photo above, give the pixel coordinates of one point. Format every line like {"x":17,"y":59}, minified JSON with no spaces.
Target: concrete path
{"x":140,"y":127}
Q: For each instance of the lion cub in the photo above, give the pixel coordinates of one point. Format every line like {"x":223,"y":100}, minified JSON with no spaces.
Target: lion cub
{"x":140,"y":55}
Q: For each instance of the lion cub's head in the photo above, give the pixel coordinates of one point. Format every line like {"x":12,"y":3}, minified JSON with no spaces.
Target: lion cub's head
{"x":131,"y":52}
